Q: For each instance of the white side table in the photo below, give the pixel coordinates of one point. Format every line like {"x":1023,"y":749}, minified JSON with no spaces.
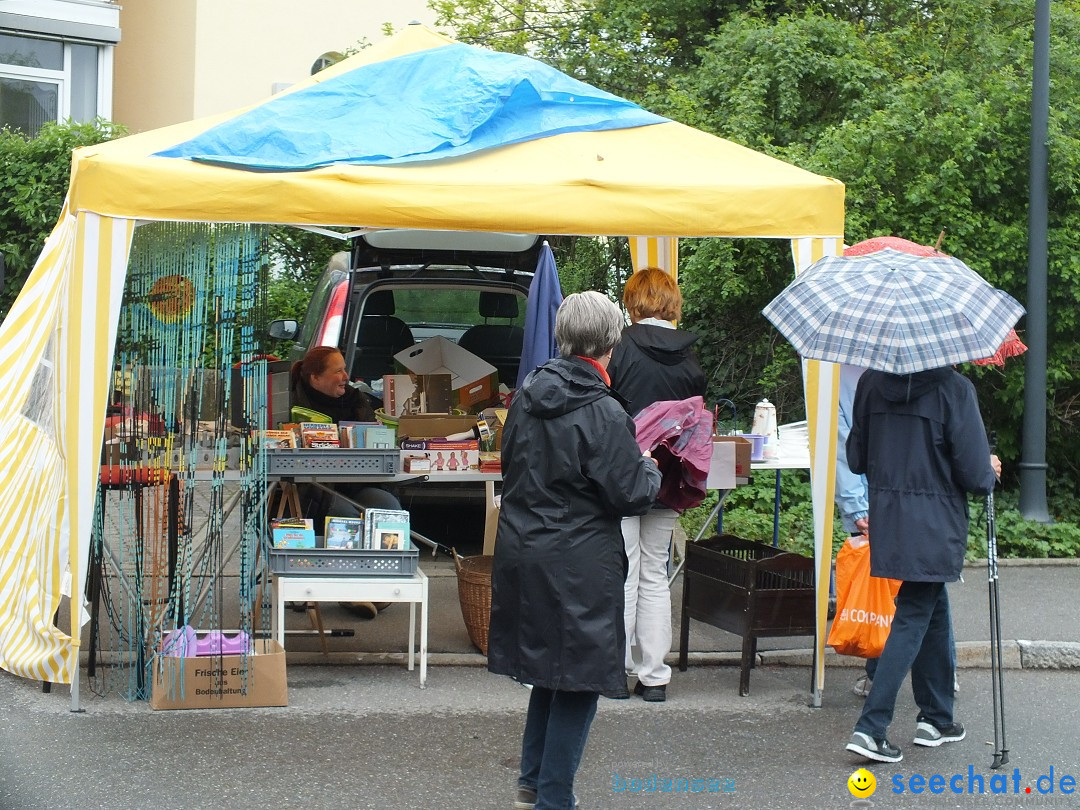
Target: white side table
{"x":414,"y":590}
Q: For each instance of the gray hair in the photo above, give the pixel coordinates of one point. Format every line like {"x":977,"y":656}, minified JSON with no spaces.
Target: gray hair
{"x":587,"y":324}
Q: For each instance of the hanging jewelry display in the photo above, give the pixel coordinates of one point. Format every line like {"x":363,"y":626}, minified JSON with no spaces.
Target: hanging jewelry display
{"x":181,"y":508}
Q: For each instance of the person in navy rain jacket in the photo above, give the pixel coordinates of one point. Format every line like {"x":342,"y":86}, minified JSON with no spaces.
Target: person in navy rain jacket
{"x":920,"y":441}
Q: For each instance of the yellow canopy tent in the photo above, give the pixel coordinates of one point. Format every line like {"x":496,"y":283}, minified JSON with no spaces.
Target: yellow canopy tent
{"x":56,"y":346}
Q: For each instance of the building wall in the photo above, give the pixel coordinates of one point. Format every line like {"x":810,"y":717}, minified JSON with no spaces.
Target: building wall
{"x":154,"y":64}
{"x":225,"y":54}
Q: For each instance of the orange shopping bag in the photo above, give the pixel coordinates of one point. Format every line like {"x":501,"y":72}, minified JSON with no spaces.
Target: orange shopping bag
{"x":864,"y":604}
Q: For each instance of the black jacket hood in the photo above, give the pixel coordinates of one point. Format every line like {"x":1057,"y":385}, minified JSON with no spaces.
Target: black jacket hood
{"x":561,"y":386}
{"x":909,"y":387}
{"x":667,"y":346}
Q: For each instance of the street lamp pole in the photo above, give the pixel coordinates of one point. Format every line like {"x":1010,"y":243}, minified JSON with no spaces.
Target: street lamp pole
{"x":1033,"y":450}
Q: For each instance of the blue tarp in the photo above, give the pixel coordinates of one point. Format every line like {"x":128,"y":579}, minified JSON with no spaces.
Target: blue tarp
{"x":433,"y":104}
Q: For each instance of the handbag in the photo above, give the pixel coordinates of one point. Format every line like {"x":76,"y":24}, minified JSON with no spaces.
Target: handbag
{"x":865,"y":604}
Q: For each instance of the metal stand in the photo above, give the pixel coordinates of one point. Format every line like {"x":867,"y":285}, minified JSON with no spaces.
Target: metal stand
{"x":997,"y":669}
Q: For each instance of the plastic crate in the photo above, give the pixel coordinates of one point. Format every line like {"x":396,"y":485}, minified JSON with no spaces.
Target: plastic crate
{"x":321,"y":562}
{"x":331,"y":462}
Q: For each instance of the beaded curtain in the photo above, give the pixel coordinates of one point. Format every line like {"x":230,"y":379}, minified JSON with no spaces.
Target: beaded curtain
{"x":181,"y":511}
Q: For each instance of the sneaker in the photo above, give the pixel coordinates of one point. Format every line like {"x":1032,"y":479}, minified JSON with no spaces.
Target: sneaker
{"x":862,"y":686}
{"x":617,"y":694}
{"x":526,"y":799}
{"x":926,"y":733}
{"x":880,"y":750}
{"x":651,"y":694}
{"x":956,"y":684}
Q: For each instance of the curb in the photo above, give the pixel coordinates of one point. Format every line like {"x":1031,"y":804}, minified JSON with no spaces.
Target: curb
{"x":1017,"y":654}
{"x":1025,"y":562}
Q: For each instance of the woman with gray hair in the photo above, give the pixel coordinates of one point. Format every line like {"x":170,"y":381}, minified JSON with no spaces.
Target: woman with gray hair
{"x":571,"y":471}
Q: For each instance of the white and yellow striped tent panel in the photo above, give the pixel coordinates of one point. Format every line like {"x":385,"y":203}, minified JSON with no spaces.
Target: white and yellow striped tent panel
{"x":656,"y":251}
{"x":56,"y":349}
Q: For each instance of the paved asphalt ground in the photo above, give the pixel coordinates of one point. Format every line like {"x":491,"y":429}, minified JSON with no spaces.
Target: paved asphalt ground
{"x":370,"y":738}
{"x":362,"y":735}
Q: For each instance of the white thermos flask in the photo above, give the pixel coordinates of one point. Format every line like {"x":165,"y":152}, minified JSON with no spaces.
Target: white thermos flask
{"x":765,"y":425}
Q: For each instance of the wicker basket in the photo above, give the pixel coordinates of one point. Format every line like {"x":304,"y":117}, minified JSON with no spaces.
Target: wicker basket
{"x":474,"y":592}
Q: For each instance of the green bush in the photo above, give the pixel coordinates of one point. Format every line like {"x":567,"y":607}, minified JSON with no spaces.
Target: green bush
{"x":748,"y":512}
{"x":1017,"y":537}
{"x":34,"y":177}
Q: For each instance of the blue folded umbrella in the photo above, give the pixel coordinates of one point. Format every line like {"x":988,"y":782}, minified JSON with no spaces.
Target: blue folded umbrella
{"x":545,"y":295}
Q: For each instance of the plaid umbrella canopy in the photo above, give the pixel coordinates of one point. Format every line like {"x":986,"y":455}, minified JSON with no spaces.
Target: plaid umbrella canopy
{"x":893,"y":311}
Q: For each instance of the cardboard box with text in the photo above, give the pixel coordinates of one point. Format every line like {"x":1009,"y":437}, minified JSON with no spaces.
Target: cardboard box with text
{"x":221,"y":682}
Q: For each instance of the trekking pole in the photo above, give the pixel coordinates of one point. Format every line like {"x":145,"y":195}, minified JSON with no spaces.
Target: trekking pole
{"x":997,"y":671}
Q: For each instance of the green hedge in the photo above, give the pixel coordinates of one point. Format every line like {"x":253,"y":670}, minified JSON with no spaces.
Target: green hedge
{"x":748,"y":512}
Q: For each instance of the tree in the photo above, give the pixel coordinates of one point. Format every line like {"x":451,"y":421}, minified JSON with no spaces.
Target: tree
{"x":921,"y":107}
{"x":34,"y":177}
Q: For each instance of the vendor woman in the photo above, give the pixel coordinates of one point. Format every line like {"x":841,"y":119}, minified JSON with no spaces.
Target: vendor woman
{"x":320,"y":382}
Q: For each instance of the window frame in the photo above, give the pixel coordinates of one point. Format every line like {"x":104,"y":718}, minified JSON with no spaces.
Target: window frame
{"x":64,"y":79}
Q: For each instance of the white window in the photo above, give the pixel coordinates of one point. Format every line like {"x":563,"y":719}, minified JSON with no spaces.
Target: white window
{"x":49,"y":80}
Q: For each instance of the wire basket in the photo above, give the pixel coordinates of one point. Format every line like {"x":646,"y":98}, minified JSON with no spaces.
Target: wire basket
{"x":474,"y":592}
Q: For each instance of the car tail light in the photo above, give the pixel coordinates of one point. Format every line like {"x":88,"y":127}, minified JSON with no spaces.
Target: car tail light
{"x":330,"y":330}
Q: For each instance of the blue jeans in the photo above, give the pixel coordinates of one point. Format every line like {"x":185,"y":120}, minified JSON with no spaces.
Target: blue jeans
{"x":556,"y":728}
{"x":920,"y":642}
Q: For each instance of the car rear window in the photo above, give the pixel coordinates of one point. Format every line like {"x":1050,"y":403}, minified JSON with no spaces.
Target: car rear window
{"x":447,"y":312}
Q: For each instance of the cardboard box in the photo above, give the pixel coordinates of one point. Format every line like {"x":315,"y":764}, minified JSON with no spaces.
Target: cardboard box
{"x":722,"y":467}
{"x":742,"y":453}
{"x":449,"y":457}
{"x":474,"y":381}
{"x":428,"y":425}
{"x":420,"y":393}
{"x":413,"y":463}
{"x":218,"y":682}
{"x":277,"y":395}
{"x":397,"y":390}
{"x":491,"y":516}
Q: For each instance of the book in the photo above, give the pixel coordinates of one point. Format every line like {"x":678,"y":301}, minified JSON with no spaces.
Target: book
{"x":276,"y":439}
{"x":344,"y":532}
{"x":379,"y":438}
{"x":315,"y":434}
{"x":387,"y":529}
{"x":291,"y":523}
{"x":292,"y":532}
{"x":352,"y":433}
{"x":491,"y":462}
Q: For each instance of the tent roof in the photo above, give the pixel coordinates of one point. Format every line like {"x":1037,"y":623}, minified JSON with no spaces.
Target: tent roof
{"x":665,"y":179}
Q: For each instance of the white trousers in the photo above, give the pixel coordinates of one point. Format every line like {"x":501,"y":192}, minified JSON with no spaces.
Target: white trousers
{"x":648,"y":597}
